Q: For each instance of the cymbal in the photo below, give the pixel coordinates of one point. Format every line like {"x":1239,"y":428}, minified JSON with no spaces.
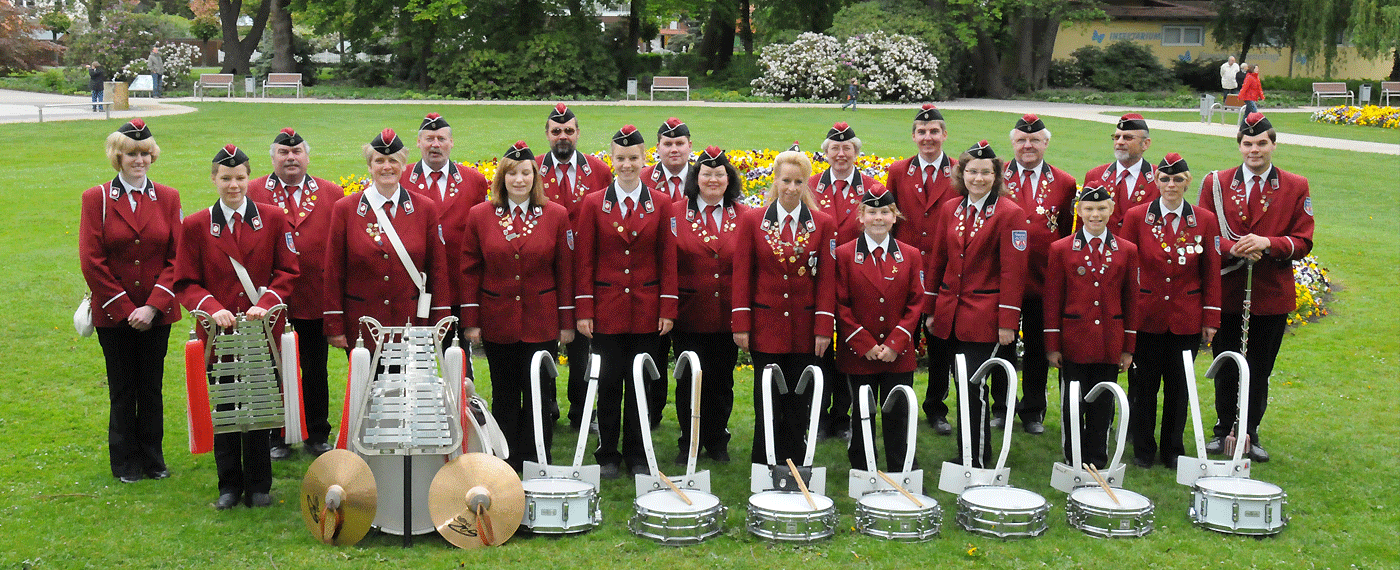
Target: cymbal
{"x":338,"y":498}
{"x":471,"y":482}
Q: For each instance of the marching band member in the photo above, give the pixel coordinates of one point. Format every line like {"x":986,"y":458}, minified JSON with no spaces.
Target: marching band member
{"x":1178,"y":307}
{"x":569,"y":175}
{"x":975,"y":278}
{"x":1090,"y":317}
{"x":707,"y":219}
{"x":921,"y":183}
{"x":517,"y":275}
{"x":1129,"y":177}
{"x":785,"y":295}
{"x":127,"y":240}
{"x":879,"y":297}
{"x":625,"y":278}
{"x":1046,"y":195}
{"x":673,"y":166}
{"x":306,"y":201}
{"x":215,"y":243}
{"x":1266,"y":218}
{"x":366,"y":272}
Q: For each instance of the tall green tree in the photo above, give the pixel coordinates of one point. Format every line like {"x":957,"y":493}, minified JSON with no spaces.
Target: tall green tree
{"x":1252,"y":23}
{"x":238,"y":51}
{"x":1009,"y":41}
{"x":1375,"y":29}
{"x":1321,"y":26}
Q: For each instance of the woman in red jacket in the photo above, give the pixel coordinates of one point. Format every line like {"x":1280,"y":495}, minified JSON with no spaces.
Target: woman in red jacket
{"x":1251,"y":92}
{"x":785,"y":295}
{"x":127,"y":242}
{"x":706,"y":221}
{"x":516,"y":279}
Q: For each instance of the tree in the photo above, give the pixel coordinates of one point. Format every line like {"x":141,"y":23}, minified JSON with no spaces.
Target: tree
{"x":1009,"y":38}
{"x":18,"y":51}
{"x":280,"y":17}
{"x":1251,"y":23}
{"x":717,"y":38}
{"x":238,"y":51}
{"x":1375,"y":29}
{"x":56,"y":22}
{"x":1321,"y":25}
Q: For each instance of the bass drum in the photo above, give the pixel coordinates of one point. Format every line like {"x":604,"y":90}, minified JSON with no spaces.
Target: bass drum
{"x":889,"y":514}
{"x":662,"y":516}
{"x":388,"y":476}
{"x":1091,"y":510}
{"x":1239,"y":506}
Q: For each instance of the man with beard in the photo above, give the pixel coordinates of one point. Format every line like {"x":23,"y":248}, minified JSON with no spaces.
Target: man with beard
{"x":1130,"y":179}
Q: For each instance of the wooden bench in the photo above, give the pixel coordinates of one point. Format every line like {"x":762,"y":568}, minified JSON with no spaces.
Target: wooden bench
{"x":1332,"y":90}
{"x":1389,"y":89}
{"x":1232,"y":105}
{"x":282,"y":80}
{"x":209,"y":81}
{"x":106,"y":106}
{"x":670,"y":83}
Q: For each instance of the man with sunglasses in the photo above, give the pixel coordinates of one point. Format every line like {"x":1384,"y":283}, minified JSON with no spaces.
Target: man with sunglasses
{"x":569,"y":175}
{"x":1130,"y":179}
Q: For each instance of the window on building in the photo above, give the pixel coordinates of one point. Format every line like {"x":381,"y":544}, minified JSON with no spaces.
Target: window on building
{"x":1183,"y":35}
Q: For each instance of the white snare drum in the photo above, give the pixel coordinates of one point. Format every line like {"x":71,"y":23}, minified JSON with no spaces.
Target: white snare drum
{"x":388,"y":477}
{"x":1239,"y":506}
{"x":1003,"y":512}
{"x":785,"y":516}
{"x":662,"y":516}
{"x":1091,"y":510}
{"x":889,"y":514}
{"x":560,"y":506}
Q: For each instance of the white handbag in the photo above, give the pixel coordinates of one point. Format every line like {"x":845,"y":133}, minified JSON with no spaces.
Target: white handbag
{"x":82,"y":318}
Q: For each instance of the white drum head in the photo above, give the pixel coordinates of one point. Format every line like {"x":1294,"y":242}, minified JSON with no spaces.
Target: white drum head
{"x":558,"y":487}
{"x":895,"y":501}
{"x":1238,"y":486}
{"x":785,"y":502}
{"x":1097,"y":498}
{"x":1002,"y":497}
{"x":668,"y":501}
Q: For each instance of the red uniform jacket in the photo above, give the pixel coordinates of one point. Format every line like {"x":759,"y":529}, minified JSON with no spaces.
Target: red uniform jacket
{"x":519,"y":287}
{"x":1089,"y":311}
{"x":311,"y":226}
{"x":465,"y":188}
{"x":846,"y":213}
{"x":976,"y":276}
{"x":1143,"y":191}
{"x":705,"y":267}
{"x":1179,"y":282}
{"x":875,"y":308}
{"x":625,"y":270}
{"x":364,"y":276}
{"x":590,"y":173}
{"x":785,"y":293}
{"x":206,"y":280}
{"x":128,"y":260}
{"x":1049,"y":209}
{"x":1283,"y":213}
{"x":655,"y":177}
{"x":920,"y":224}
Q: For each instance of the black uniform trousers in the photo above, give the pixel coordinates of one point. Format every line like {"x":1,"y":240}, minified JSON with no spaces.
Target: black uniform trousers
{"x":836,"y":395}
{"x":512,"y":403}
{"x":135,"y":372}
{"x":617,"y":397}
{"x":718,"y":355}
{"x":1157,"y":363}
{"x":577,"y":387}
{"x":790,"y":410}
{"x":939,"y":371}
{"x":979,"y":413}
{"x":1265,"y":338}
{"x":1035,"y":369}
{"x":657,"y":390}
{"x":312,"y":352}
{"x":893,"y":425}
{"x":243,"y":463}
{"x":1095,"y":418}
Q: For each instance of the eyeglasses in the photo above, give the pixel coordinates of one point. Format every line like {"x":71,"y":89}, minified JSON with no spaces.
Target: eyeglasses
{"x":567,"y":131}
{"x":1125,"y":138}
{"x":980,"y":172}
{"x":1177,"y":179}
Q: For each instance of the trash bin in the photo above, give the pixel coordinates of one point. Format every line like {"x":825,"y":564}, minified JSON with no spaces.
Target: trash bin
{"x":1363,"y":95}
{"x":631,"y":87}
{"x":250,"y":86}
{"x":1207,"y":103}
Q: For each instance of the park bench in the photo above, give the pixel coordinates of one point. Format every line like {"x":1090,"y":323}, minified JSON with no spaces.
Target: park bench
{"x":1389,"y":89}
{"x":209,"y":81}
{"x":1323,"y":90}
{"x":106,"y":106}
{"x":286,"y":80}
{"x":670,"y":83}
{"x":1232,"y":105}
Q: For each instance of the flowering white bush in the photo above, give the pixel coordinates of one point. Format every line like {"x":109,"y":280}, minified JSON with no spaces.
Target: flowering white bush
{"x":179,"y":58}
{"x":890,"y":67}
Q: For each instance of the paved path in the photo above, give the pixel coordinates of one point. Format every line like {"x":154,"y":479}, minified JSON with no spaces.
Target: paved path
{"x":21,"y":106}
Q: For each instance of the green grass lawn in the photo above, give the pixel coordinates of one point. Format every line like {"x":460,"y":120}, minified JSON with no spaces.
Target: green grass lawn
{"x":1331,"y":425}
{"x":1297,"y":123}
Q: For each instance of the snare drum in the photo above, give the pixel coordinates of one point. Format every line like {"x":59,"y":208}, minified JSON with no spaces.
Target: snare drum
{"x":1003,"y":512}
{"x":889,"y":514}
{"x":1239,"y":506}
{"x":1091,"y":510}
{"x":662,"y":516}
{"x":560,"y":506}
{"x":786,"y":517}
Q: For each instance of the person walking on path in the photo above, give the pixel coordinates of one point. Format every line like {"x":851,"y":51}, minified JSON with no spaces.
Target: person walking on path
{"x":156,"y":66}
{"x":1251,"y":91}
{"x":851,"y":91}
{"x":1228,"y":84}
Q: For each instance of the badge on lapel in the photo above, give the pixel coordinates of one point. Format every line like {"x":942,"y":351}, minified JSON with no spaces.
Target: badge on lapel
{"x":291,"y":245}
{"x":1018,"y":239}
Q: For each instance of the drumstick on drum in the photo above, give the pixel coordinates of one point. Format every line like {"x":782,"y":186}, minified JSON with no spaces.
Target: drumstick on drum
{"x":674,"y":487}
{"x":801,"y":484}
{"x":901,"y":490}
{"x":1102,"y":483}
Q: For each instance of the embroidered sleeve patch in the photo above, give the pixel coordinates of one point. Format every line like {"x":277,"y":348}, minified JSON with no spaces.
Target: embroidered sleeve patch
{"x":1019,"y":240}
{"x":1307,"y":205}
{"x":291,"y":244}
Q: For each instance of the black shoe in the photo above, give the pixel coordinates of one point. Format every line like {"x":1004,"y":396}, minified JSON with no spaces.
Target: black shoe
{"x":226,"y":501}
{"x":280,"y":453}
{"x":1215,"y":446}
{"x":720,"y":455}
{"x":941,"y":426}
{"x":129,"y":478}
{"x":161,"y":473}
{"x":318,"y":449}
{"x":843,"y":434}
{"x":998,"y":422}
{"x":259,"y":500}
{"x":1258,"y":454}
{"x":640,"y":470}
{"x":1033,"y":427}
{"x":1169,"y":462}
{"x":1143,"y":463}
{"x":608,"y":470}
{"x":682,"y":457}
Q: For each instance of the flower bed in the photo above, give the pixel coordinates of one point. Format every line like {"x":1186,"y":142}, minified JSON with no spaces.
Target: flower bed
{"x":1368,"y":116}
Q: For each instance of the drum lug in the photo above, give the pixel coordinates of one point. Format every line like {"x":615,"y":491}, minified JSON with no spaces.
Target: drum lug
{"x":564,"y":512}
{"x":532,"y":511}
{"x":1235,"y":513}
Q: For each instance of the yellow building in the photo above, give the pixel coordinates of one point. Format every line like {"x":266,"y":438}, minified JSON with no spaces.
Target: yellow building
{"x":1181,"y":30}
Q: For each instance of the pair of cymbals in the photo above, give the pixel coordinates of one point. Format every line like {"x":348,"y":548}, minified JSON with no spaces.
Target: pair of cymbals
{"x":339,"y":498}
